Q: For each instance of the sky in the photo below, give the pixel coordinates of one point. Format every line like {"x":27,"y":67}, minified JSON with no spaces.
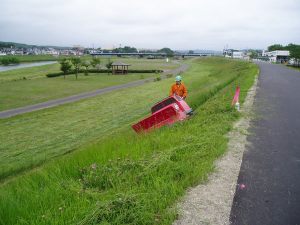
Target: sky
{"x":154,"y":24}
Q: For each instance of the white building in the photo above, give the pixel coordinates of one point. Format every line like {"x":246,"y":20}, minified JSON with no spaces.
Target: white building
{"x":278,"y":56}
{"x":238,"y":55}
{"x":235,"y":54}
{"x":52,"y":51}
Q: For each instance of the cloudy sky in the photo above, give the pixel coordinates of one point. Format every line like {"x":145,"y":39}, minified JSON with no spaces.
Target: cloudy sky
{"x":178,"y":24}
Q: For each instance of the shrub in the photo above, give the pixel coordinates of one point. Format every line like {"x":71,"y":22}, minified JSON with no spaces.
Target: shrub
{"x":158,"y":78}
{"x":145,"y":71}
{"x":99,"y":71}
{"x":9,"y":60}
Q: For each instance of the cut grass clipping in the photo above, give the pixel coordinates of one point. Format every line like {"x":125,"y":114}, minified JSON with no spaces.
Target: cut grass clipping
{"x":127,"y":178}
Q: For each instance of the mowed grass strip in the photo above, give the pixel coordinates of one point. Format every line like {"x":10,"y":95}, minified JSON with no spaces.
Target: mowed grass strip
{"x":21,"y":87}
{"x":27,"y":73}
{"x":29,"y":92}
{"x":132,"y":179}
{"x":41,"y":71}
{"x":104,"y":59}
{"x":31,"y":139}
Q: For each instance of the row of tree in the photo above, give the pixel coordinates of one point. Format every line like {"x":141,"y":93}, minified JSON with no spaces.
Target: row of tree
{"x":128,"y":49}
{"x":75,"y":64}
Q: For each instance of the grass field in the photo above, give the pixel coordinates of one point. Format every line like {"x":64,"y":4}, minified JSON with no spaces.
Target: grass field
{"x":28,"y":73}
{"x":28,"y":86}
{"x":122,"y":178}
{"x":22,"y":93}
{"x":41,"y":58}
{"x":41,"y":71}
{"x":104,"y":59}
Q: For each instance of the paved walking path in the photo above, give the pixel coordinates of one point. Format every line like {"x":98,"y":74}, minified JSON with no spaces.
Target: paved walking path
{"x":74,"y":98}
{"x":270,"y":168}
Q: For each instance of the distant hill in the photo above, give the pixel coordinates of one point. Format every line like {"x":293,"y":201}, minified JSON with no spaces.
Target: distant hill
{"x":4,"y":44}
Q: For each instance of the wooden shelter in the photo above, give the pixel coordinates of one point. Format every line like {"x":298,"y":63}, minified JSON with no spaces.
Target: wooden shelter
{"x":119,"y":68}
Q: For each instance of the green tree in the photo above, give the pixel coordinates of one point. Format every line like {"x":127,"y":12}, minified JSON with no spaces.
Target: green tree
{"x":86,"y":64}
{"x":275,"y":47}
{"x":128,"y":49}
{"x":109,"y":64}
{"x":65,"y":66}
{"x":294,"y":53}
{"x":77,"y":64}
{"x":168,"y":51}
{"x":253,"y":54}
{"x":95,"y":62}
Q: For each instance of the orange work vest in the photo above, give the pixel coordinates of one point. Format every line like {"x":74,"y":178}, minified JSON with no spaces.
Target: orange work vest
{"x":178,"y":90}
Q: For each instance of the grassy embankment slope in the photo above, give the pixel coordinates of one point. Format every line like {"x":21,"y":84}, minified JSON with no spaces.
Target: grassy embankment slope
{"x":127,"y":178}
{"x":62,"y":129}
{"x":29,"y":86}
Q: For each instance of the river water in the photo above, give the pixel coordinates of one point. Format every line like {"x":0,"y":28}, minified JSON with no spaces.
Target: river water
{"x":24,"y":65}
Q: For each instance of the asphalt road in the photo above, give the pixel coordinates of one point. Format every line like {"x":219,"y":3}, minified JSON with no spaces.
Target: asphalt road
{"x":74,"y":98}
{"x":268,"y":189}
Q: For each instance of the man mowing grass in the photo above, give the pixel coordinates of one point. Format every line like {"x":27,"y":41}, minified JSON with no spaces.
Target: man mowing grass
{"x":178,"y":88}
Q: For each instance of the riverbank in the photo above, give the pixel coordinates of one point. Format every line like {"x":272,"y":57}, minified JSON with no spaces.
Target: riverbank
{"x":25,"y":65}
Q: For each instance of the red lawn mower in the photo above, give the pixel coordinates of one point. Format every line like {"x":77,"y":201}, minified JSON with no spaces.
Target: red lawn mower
{"x":165,"y":112}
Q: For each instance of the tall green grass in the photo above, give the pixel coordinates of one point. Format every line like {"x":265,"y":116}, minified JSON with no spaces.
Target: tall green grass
{"x":132,"y":179}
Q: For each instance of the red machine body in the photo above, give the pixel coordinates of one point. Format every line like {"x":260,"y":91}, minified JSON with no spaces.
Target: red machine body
{"x":165,"y":112}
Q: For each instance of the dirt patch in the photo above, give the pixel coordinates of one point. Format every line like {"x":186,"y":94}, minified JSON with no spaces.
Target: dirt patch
{"x":210,"y":203}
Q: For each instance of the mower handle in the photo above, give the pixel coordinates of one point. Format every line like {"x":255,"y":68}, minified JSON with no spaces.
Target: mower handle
{"x":178,"y":97}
